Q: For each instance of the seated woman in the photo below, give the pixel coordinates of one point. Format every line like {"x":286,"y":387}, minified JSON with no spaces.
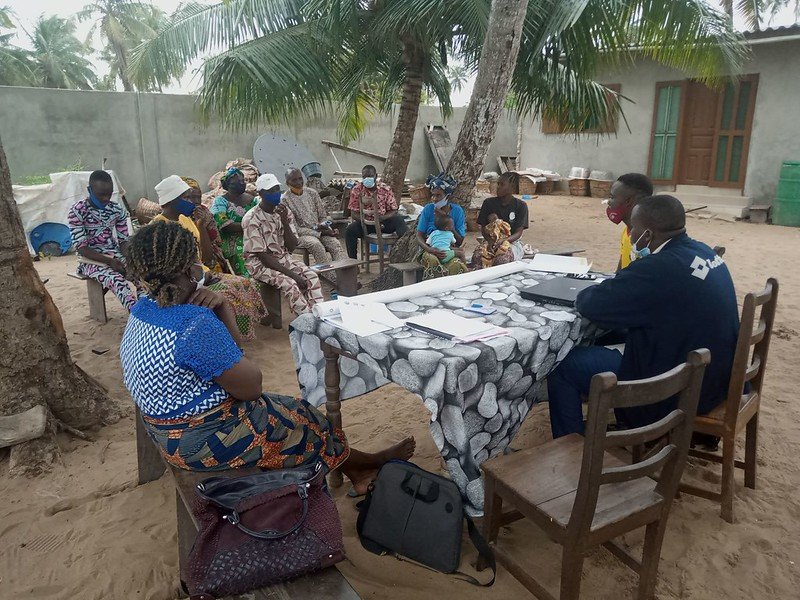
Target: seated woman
{"x":269,"y":239}
{"x":203,"y":218}
{"x":200,"y":397}
{"x":441,"y":187}
{"x":506,"y":207}
{"x":243,"y":295}
{"x":495,"y":248}
{"x":229,"y":210}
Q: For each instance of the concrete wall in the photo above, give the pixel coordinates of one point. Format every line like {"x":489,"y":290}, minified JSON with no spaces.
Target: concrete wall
{"x":775,"y":135}
{"x":149,"y":136}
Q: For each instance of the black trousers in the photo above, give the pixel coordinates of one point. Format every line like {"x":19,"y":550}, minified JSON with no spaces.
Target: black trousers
{"x":355,"y":230}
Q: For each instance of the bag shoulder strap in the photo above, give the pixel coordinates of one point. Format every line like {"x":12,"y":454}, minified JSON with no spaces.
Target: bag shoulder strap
{"x":484,"y":551}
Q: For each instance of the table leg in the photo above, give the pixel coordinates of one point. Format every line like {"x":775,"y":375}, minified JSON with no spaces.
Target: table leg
{"x":347,"y":281}
{"x":333,"y":405}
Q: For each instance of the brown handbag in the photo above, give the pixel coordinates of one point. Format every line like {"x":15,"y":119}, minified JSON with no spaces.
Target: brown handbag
{"x":261,"y":529}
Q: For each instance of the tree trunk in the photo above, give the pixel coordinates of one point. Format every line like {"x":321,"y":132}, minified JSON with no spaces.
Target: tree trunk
{"x":727,"y":6}
{"x":498,"y":57}
{"x":394,"y":172}
{"x":35,"y":364}
{"x":122,"y":59}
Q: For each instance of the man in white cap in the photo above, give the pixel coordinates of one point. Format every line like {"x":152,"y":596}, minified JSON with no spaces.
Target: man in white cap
{"x":174,"y":197}
{"x":269,"y":240}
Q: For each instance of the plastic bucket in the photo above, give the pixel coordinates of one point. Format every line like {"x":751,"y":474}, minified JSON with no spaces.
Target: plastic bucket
{"x":312,"y":168}
{"x":787,"y":201}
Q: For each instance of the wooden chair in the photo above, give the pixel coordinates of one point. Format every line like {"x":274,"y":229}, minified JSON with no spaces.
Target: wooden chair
{"x":583,"y":496}
{"x":378,"y":238}
{"x":740,"y":410}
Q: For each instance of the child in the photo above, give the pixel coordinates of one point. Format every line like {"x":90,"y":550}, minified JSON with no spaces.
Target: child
{"x":442,"y":238}
{"x":495,"y":249}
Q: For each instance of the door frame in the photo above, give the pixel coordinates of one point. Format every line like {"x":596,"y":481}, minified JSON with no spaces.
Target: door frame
{"x":683,"y":84}
{"x":747,"y":134}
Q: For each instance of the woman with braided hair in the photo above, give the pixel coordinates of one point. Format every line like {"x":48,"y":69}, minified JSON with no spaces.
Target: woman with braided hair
{"x":200,"y":397}
{"x":242,"y":293}
{"x":229,"y":210}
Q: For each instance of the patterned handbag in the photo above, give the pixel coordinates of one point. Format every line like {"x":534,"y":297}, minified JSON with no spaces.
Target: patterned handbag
{"x":261,"y":529}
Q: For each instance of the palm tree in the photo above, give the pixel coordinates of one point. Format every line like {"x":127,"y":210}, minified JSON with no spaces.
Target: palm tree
{"x":457,"y":75}
{"x":563,"y":43}
{"x":15,"y":63}
{"x":279,"y":59}
{"x":123,"y":25}
{"x":59,"y":57}
{"x":755,"y":12}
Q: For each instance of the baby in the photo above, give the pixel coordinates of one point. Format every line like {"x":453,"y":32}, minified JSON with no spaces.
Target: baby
{"x":442,"y":238}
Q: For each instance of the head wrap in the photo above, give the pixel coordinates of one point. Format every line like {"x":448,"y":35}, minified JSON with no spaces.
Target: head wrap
{"x":441,"y":181}
{"x":227,"y":177}
{"x":191,"y":182}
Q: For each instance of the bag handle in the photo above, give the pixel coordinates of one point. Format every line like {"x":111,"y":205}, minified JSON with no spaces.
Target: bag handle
{"x":429,"y":497}
{"x":269,"y":534}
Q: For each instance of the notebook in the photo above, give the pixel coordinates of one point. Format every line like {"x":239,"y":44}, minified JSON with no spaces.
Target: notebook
{"x":443,"y":323}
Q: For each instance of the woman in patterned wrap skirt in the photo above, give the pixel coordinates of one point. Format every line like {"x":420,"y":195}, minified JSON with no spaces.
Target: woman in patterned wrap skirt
{"x":200,"y":397}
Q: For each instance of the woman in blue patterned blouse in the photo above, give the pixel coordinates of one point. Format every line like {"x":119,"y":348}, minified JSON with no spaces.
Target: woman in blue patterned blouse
{"x":200,"y":397}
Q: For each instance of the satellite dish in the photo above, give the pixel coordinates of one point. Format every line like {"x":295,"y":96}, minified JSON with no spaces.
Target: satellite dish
{"x":274,"y":153}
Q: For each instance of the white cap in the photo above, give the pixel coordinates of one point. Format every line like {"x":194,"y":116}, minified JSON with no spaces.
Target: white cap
{"x":267,"y":181}
{"x":170,"y":189}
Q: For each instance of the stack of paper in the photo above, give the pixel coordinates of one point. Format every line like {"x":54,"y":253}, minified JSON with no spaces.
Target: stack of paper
{"x":553,"y":263}
{"x":443,"y":323}
{"x":363,"y":318}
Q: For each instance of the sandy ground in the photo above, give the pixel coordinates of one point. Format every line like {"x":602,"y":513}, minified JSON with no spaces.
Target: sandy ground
{"x":86,"y":531}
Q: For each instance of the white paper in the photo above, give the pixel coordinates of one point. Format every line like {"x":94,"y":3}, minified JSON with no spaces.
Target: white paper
{"x":552,"y":263}
{"x":363,"y":319}
{"x":432,"y":287}
{"x":451,"y":324}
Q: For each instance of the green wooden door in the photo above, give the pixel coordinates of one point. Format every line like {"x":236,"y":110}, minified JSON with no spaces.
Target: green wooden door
{"x":665,"y":132}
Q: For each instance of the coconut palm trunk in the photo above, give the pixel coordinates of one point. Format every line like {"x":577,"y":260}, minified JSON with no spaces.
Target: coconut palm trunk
{"x":498,"y":57}
{"x":35,"y":364}
{"x":399,"y":155}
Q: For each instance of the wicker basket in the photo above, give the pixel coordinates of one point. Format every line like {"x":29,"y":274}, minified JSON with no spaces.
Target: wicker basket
{"x":146,"y":210}
{"x":483,"y":186}
{"x":420,"y":194}
{"x":579,"y":187}
{"x":545,"y":187}
{"x":600,"y":188}
{"x":472,"y":219}
{"x":527,"y":187}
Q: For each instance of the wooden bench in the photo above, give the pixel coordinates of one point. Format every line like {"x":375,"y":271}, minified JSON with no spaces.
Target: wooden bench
{"x":97,"y":297}
{"x":328,"y":584}
{"x":411,"y":271}
{"x":346,"y":271}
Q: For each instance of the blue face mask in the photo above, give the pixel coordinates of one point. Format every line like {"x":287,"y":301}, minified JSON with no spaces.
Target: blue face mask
{"x":184,"y":207}
{"x":635,"y":252}
{"x":369,"y":182}
{"x":95,"y":200}
{"x":273,"y":198}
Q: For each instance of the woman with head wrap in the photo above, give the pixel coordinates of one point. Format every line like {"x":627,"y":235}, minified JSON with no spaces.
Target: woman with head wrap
{"x":241,"y":293}
{"x":203,"y":218}
{"x":229,"y":210}
{"x":200,"y":397}
{"x":432,"y":259}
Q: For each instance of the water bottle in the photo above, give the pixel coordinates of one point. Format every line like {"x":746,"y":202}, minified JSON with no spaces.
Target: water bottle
{"x":527,"y":197}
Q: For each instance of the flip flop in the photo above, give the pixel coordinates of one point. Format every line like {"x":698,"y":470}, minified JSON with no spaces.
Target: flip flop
{"x":352,"y":493}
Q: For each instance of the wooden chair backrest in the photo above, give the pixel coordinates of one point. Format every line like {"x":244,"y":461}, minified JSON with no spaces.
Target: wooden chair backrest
{"x":752,"y":347}
{"x":674,"y":432}
{"x":374,"y":221}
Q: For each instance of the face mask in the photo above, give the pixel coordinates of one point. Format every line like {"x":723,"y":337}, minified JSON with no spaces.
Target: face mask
{"x":635,"y":253}
{"x":237,"y":188}
{"x":296,"y":191}
{"x":185,"y":207}
{"x":441,"y":203}
{"x":615,"y":215}
{"x":95,"y":200}
{"x":274,"y":198}
{"x":369,"y":182}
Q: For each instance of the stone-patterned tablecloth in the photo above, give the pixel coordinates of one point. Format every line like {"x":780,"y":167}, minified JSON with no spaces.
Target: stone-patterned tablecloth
{"x":478,"y":394}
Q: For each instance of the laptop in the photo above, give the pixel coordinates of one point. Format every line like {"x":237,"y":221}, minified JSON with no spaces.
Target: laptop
{"x":559,"y":290}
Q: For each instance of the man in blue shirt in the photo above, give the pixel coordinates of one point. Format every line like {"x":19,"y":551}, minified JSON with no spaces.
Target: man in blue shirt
{"x":677,"y":296}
